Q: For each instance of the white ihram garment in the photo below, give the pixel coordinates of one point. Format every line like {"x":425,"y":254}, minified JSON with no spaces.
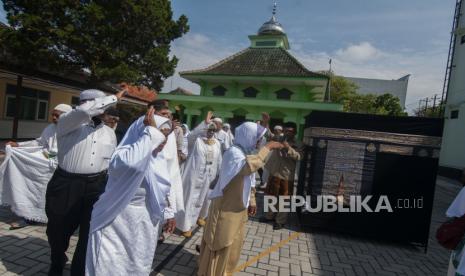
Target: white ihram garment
{"x":175,"y":198}
{"x":25,"y":173}
{"x":201,"y":169}
{"x":125,"y":219}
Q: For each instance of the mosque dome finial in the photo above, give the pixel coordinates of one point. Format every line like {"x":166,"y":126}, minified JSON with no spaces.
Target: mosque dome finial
{"x":272,"y":26}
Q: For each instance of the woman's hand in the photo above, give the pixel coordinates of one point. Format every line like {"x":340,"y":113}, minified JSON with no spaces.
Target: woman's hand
{"x":274,"y":145}
{"x":252,"y":210}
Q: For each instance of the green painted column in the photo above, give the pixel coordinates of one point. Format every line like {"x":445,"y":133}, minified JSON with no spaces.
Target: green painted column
{"x":190,"y":112}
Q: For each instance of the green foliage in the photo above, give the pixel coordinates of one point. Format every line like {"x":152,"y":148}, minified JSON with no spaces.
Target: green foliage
{"x":342,"y":89}
{"x":121,"y":40}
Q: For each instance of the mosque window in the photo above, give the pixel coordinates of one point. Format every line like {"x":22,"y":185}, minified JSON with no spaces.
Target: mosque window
{"x":462,"y":41}
{"x":250,"y":92}
{"x":284,"y":94}
{"x":219,"y":91}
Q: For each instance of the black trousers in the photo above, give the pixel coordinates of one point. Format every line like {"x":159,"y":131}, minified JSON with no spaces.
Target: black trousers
{"x":69,"y":202}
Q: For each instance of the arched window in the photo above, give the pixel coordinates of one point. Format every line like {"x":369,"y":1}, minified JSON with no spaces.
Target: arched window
{"x":284,"y":94}
{"x":219,"y":90}
{"x":250,"y":92}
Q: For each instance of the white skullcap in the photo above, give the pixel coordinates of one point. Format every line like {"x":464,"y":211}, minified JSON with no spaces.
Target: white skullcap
{"x":227,"y":125}
{"x":91,"y":94}
{"x":278,"y":128}
{"x":217,"y":120}
{"x":211,"y":126}
{"x":63,"y":108}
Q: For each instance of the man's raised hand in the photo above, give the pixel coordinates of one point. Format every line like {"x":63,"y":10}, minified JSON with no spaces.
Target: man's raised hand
{"x":149,"y":119}
{"x":265,"y":119}
{"x":122,"y":92}
{"x":208,"y":119}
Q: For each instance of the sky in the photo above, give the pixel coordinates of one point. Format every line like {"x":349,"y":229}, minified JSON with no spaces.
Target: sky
{"x":384,"y":39}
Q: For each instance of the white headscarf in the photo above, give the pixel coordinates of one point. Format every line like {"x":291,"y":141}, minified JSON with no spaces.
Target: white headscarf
{"x":185,"y":140}
{"x":187,"y":130}
{"x":234,"y":159}
{"x":91,"y":94}
{"x":63,"y":108}
{"x":457,"y":208}
{"x":124,"y":180}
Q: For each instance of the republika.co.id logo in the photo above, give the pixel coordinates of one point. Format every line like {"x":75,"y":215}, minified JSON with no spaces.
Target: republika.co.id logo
{"x":331,"y":203}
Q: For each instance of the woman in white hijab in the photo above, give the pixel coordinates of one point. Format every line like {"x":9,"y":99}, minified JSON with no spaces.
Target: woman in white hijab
{"x":125,"y":220}
{"x":232,"y":199}
{"x":227,"y":129}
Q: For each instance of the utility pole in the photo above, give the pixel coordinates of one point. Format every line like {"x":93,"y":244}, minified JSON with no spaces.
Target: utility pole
{"x":17,"y":115}
{"x":330,"y":78}
{"x":434,"y":104}
{"x":426,"y":107}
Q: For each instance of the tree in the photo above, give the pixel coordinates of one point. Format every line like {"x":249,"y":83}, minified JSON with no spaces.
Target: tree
{"x":385,"y":104}
{"x":389,"y":105}
{"x":115,"y":41}
{"x":342,"y":89}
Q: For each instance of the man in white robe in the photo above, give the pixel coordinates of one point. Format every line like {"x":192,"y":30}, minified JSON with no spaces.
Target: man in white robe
{"x":170,"y":154}
{"x":125,"y":220}
{"x":200,"y":173}
{"x":26,"y":170}
{"x":221,"y":135}
{"x":175,"y":198}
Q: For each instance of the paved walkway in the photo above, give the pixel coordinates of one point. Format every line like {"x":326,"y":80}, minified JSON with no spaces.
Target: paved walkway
{"x":265,"y":252}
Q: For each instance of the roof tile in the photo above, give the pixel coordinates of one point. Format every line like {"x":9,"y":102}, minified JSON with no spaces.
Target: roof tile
{"x":276,"y":62}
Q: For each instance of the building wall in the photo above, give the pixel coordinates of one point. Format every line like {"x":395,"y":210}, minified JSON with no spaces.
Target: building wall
{"x":397,"y":88}
{"x":453,"y":145}
{"x":28,"y":129}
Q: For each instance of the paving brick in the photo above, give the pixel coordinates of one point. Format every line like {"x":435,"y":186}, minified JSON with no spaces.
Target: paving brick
{"x":256,"y":271}
{"x":26,"y":252}
{"x":268,"y":267}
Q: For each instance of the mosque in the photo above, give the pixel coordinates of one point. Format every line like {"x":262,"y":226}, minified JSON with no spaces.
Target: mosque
{"x":264,"y":77}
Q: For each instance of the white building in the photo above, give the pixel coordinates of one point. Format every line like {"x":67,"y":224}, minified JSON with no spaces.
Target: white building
{"x":396,"y":88}
{"x":453,"y":143}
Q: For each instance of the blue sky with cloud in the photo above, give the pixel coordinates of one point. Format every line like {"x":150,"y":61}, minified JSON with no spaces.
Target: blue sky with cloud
{"x":373,"y":39}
